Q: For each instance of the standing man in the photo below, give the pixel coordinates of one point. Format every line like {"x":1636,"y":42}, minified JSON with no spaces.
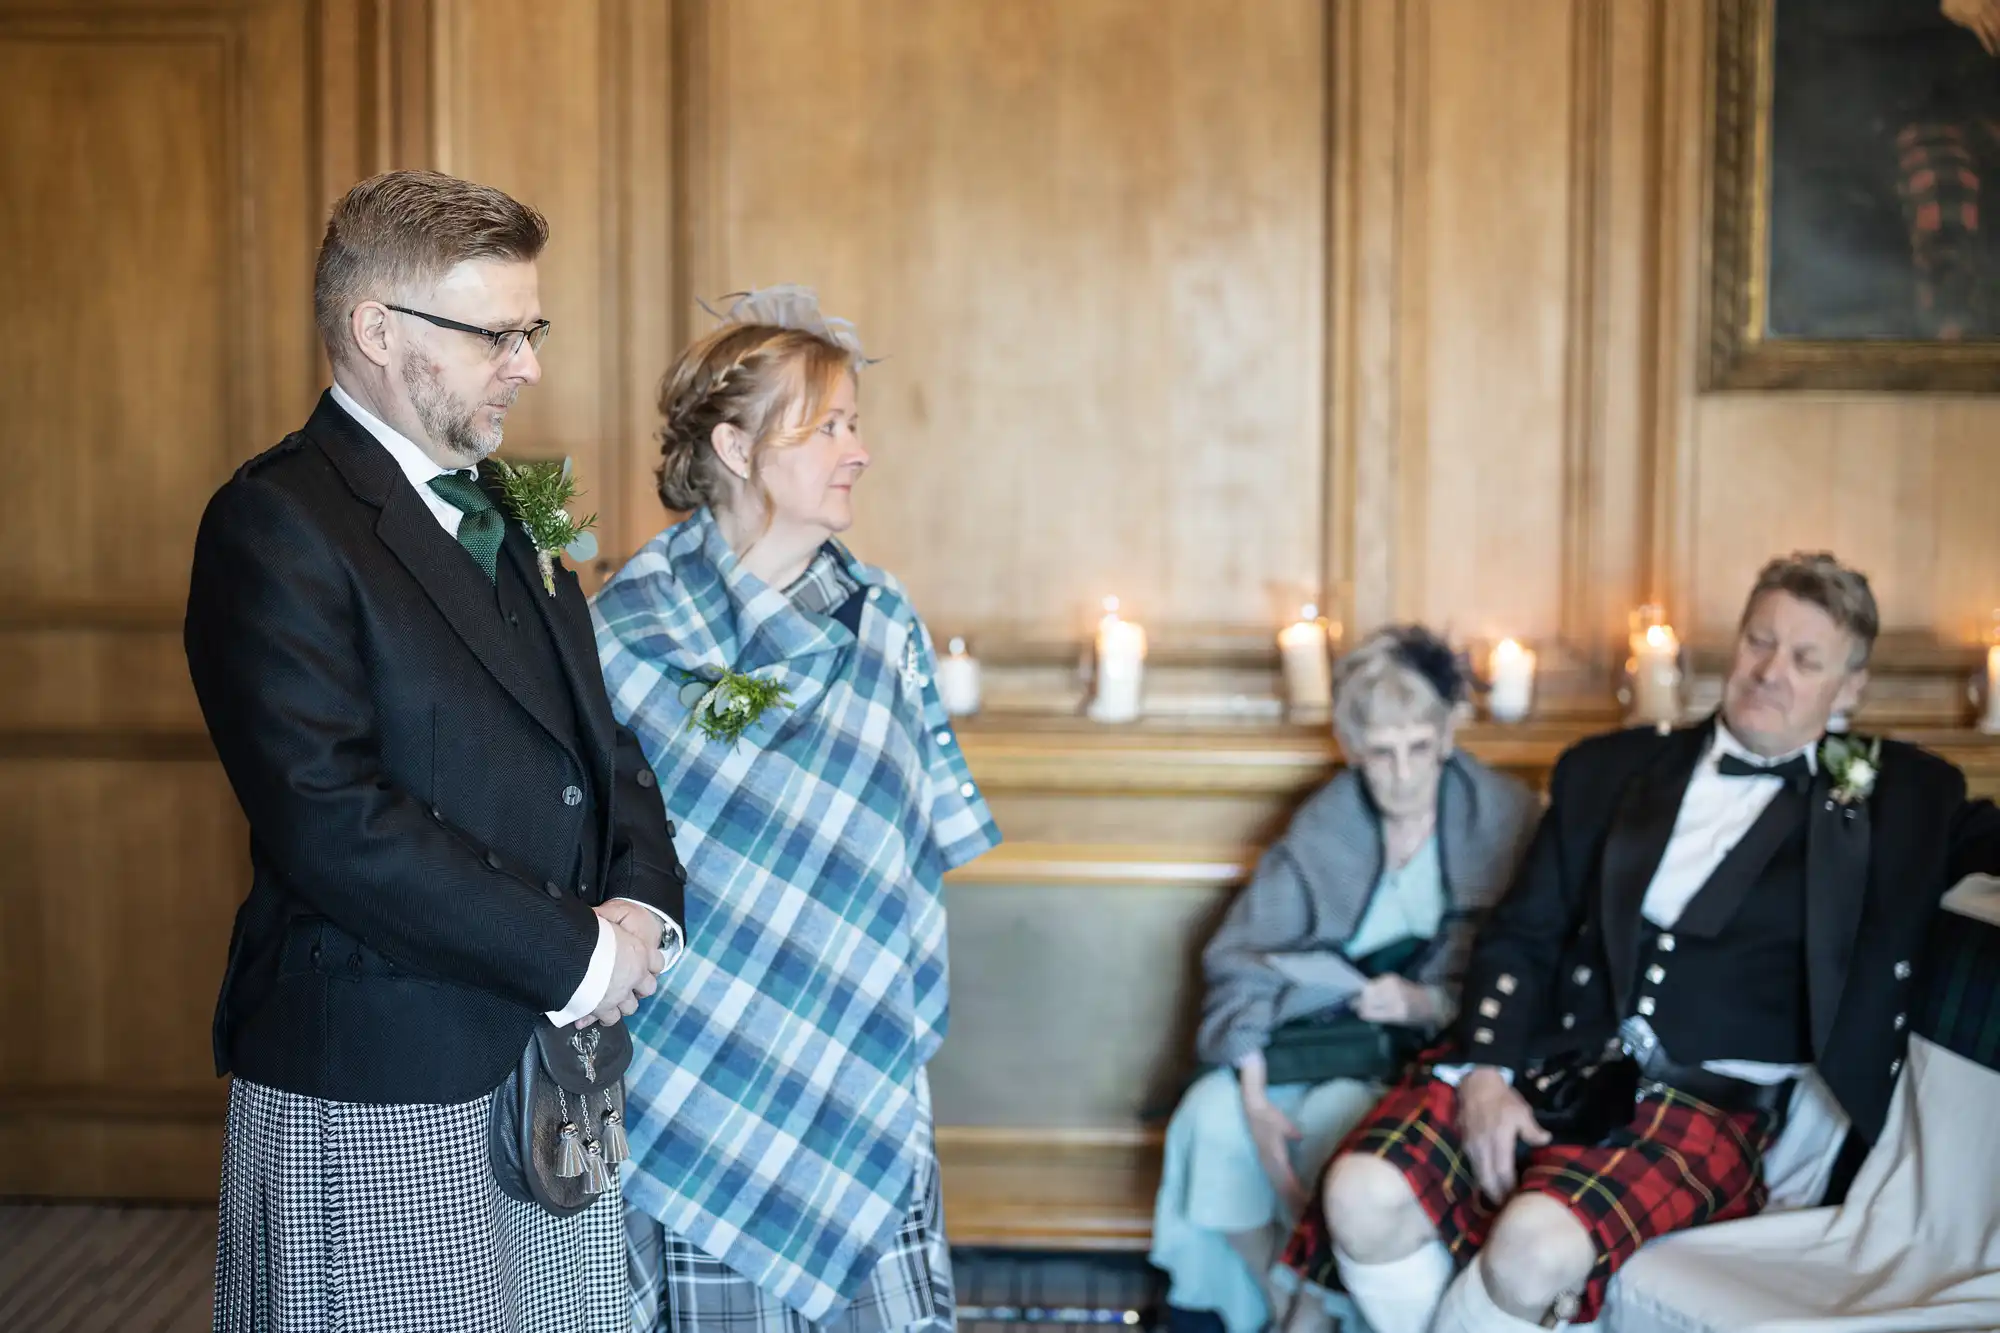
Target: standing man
{"x":451,"y":839}
{"x":1704,"y":916}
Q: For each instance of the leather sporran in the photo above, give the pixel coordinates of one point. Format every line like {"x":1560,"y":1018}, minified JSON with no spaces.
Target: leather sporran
{"x":1583,"y":1099}
{"x":557,"y":1130}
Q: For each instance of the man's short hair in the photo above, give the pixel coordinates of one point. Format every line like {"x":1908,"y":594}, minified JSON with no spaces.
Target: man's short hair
{"x":407,"y":229}
{"x":1820,"y":579}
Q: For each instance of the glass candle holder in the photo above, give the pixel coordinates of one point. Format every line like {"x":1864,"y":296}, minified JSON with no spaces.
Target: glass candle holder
{"x":1654,"y":674}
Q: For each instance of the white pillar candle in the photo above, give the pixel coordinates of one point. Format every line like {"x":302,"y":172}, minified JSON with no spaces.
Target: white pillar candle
{"x":1656,"y":677}
{"x":1990,"y":721}
{"x":958,"y":680}
{"x":1511,"y":669}
{"x":1121,"y":667}
{"x":1302,"y":650}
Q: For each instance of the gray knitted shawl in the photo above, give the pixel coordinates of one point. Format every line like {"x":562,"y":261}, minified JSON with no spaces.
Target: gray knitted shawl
{"x":1313,"y":885}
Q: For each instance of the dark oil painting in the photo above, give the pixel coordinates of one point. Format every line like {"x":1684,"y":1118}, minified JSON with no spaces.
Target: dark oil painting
{"x":1857,"y":182}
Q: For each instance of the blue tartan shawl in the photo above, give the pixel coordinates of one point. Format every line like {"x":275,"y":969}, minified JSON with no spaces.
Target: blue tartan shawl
{"x":772,"y":1100}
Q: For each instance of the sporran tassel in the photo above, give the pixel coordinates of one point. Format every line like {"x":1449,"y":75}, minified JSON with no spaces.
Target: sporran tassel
{"x":616,"y":1150}
{"x":596,"y":1175}
{"x":569,"y":1144}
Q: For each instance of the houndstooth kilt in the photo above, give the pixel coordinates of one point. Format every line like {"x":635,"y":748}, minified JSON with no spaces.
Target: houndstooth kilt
{"x":676,"y":1288}
{"x":1679,"y":1163}
{"x":343,"y":1217}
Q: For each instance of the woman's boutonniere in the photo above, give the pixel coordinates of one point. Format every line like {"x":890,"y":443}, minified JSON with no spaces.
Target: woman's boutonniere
{"x":1853,"y":765}
{"x":725,"y":707}
{"x":538,"y":494}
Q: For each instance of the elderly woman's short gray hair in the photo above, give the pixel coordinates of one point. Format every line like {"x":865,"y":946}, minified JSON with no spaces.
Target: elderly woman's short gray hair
{"x":1394,"y":677}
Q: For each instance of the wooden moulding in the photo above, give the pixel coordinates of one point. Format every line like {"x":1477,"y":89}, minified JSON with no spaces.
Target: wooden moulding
{"x":1049,"y":1188}
{"x":1076,"y":758}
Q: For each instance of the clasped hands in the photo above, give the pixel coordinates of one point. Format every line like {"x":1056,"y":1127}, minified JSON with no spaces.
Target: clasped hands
{"x":635,"y":973}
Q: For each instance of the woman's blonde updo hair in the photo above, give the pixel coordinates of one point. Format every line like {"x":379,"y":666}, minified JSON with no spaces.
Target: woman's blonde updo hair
{"x":770,"y":380}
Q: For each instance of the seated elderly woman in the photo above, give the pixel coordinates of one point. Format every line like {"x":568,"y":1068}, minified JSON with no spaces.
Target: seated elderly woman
{"x":1332,"y":965}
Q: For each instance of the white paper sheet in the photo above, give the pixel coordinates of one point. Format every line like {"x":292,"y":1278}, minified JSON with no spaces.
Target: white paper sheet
{"x":1326,"y":977}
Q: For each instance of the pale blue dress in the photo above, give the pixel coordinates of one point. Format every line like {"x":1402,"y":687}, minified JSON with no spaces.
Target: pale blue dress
{"x":1211,"y":1183}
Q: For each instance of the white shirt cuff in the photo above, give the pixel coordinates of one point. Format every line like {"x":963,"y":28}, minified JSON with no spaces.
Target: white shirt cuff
{"x":673,"y":942}
{"x":1453,"y":1073}
{"x":596,"y":978}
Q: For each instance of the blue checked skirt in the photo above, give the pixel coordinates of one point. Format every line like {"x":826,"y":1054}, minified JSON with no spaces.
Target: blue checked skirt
{"x":339,"y":1217}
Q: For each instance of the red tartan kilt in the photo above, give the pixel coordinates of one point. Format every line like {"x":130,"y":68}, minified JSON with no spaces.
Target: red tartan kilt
{"x":1679,"y":1163}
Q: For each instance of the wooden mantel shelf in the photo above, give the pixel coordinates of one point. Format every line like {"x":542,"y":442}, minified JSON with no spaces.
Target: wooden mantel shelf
{"x":1071,"y":756}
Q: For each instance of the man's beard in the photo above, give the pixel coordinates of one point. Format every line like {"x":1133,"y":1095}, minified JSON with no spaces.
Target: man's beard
{"x":446,"y":418}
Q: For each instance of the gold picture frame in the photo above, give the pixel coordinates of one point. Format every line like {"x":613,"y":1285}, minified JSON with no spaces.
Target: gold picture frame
{"x":1741,"y":350}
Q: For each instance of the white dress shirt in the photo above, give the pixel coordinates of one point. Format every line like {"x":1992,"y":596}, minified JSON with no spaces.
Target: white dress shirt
{"x":1715,"y":814}
{"x":419,"y":468}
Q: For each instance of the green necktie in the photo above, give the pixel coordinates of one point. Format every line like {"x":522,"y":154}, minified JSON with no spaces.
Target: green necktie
{"x":482,"y":527}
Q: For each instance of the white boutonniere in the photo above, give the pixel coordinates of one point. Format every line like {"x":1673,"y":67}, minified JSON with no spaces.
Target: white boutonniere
{"x":538,"y":493}
{"x":722,"y":708}
{"x":1853,"y":765}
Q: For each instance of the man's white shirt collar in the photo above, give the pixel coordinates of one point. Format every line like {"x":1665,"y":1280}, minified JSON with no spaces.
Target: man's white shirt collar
{"x":1726,"y":743}
{"x":417,"y":465}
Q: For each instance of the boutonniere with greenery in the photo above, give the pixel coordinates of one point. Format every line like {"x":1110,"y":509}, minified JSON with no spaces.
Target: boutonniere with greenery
{"x":725,"y":706}
{"x":1853,"y":764}
{"x":539,"y":494}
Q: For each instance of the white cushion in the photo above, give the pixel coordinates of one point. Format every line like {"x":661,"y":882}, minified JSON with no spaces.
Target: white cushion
{"x":1915,"y":1247}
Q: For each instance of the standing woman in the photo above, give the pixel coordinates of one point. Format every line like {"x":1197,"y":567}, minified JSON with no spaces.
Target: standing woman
{"x":784,"y":1175}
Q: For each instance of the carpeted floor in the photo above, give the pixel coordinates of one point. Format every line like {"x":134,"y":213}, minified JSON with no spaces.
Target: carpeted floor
{"x":94,"y":1269}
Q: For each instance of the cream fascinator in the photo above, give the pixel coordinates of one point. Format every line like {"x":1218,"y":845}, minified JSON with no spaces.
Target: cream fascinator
{"x":790,"y":306}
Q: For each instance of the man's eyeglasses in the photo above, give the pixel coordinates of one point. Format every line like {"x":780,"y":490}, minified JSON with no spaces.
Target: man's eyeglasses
{"x":504,"y":344}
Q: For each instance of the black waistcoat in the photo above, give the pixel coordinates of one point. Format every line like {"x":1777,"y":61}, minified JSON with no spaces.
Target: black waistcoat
{"x":1728,"y":981}
{"x":528,"y":637}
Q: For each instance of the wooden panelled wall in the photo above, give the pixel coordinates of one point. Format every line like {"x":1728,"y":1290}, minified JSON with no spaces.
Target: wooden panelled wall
{"x":155,"y":244}
{"x":1214,"y":306}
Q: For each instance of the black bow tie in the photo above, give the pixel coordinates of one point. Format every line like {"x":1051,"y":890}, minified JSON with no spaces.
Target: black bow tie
{"x":1796,"y":771}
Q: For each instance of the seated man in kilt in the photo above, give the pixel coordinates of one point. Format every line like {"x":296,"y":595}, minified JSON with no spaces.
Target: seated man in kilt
{"x":1705,"y":916}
